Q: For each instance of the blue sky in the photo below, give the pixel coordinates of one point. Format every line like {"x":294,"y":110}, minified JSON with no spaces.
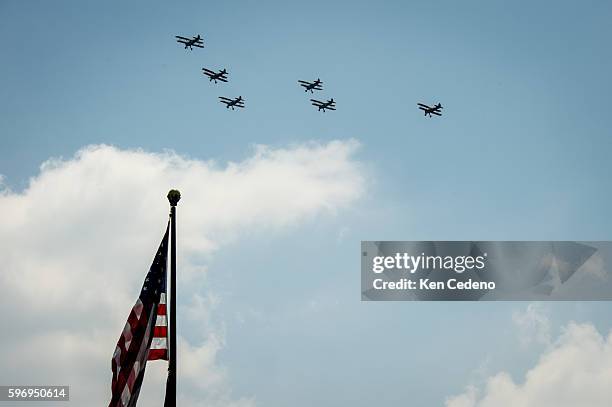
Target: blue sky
{"x":525,"y":88}
{"x":522,"y":152}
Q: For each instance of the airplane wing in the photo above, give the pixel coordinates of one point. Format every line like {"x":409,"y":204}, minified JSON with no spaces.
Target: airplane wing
{"x":436,"y":113}
{"x":222,"y":79}
{"x":190,"y":41}
{"x":423,"y":108}
{"x":318,"y":88}
{"x":305,"y":82}
{"x":330,"y":108}
{"x":422,"y":105}
{"x":316,"y":102}
{"x":223,"y":98}
{"x":208,"y":71}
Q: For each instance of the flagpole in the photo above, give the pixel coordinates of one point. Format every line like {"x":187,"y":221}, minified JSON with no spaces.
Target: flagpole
{"x":173,"y":197}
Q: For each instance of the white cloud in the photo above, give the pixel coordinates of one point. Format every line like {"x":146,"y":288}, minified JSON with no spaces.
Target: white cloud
{"x":575,"y":371}
{"x":533,"y":325}
{"x":467,"y":399}
{"x":77,"y":242}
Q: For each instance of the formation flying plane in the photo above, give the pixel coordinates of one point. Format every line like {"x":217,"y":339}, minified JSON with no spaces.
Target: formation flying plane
{"x":191,"y":42}
{"x":429,"y":110}
{"x":329,"y":105}
{"x":215,"y":76}
{"x":316,"y":85}
{"x":237,"y":102}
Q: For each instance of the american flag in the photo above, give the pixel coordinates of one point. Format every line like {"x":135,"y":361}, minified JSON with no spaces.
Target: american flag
{"x":144,"y":336}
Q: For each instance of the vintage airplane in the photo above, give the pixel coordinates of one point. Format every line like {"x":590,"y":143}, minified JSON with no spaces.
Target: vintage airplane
{"x":316,"y":85}
{"x":191,"y":42}
{"x":330,"y":104}
{"x":429,"y":110}
{"x":237,"y":102}
{"x":215,"y":76}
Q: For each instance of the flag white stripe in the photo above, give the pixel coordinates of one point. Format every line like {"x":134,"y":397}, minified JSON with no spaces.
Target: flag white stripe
{"x":159,"y":343}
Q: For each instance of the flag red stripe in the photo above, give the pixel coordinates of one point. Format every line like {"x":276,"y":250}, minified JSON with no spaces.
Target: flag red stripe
{"x":160,"y":332}
{"x":156,"y":354}
{"x":161,"y":309}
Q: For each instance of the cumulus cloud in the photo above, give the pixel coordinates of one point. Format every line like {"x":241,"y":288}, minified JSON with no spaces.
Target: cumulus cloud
{"x":76,"y":244}
{"x":533,"y":325}
{"x":575,"y":371}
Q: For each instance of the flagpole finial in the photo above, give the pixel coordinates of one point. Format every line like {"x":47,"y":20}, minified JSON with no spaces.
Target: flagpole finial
{"x":174,"y":196}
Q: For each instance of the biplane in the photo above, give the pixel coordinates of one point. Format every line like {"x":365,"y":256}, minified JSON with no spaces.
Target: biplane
{"x":215,"y":76}
{"x":191,"y":42}
{"x":429,"y":110}
{"x":329,"y":105}
{"x":310,"y":86}
{"x":237,"y":102}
